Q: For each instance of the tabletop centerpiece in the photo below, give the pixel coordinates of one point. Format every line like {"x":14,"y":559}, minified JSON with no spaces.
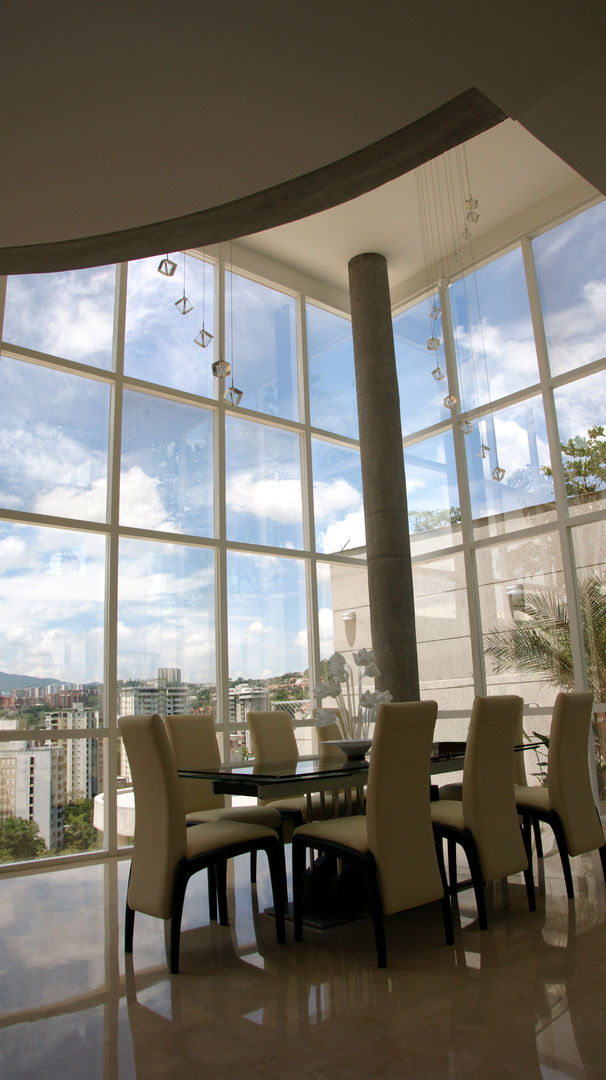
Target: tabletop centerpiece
{"x":356,"y":708}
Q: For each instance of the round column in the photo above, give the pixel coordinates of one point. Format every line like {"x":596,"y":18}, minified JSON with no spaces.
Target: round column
{"x":390,"y":590}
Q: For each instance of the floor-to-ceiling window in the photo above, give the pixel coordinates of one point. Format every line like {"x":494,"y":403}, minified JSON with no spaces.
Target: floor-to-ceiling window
{"x":166,"y":550}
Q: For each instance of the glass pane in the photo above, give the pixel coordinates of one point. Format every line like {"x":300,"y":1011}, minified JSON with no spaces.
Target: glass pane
{"x":263,"y":481}
{"x":589,"y":546}
{"x":267,"y":621}
{"x":70,"y":314}
{"x":52,"y":596}
{"x":167,"y":465}
{"x":515,"y":440}
{"x":159,"y":344}
{"x":44,"y":807}
{"x":519,"y":584}
{"x":166,"y":627}
{"x":261,"y":345}
{"x":338,"y":510}
{"x":432,"y":490}
{"x":581,"y":407}
{"x":421,"y":393}
{"x":343,"y":609}
{"x":493,"y":331}
{"x":571,"y":268}
{"x":332,"y":380}
{"x":443,"y":641}
{"x":53,"y":442}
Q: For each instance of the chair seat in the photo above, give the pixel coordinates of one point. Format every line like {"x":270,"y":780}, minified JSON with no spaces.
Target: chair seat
{"x":345,"y":831}
{"x":451,"y":791}
{"x":202,"y":839}
{"x":250,"y":815}
{"x":448,"y":812}
{"x":536,"y":797}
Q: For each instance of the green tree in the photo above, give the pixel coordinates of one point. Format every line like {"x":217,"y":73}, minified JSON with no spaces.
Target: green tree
{"x":79,"y":833}
{"x":584,"y":461}
{"x":20,"y":839}
{"x":539,"y":642}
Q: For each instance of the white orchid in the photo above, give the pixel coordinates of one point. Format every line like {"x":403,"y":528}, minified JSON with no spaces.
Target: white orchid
{"x":355,"y":707}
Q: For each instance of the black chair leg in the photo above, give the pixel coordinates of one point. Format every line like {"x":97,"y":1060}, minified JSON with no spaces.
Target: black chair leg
{"x":129,"y":926}
{"x":298,"y":871}
{"x":212,"y":892}
{"x":221,"y":879}
{"x":538,"y":841}
{"x":602,"y":852}
{"x":175,"y":922}
{"x":477,"y":880}
{"x":452,"y":864}
{"x":376,"y":912}
{"x":253,"y":867}
{"x":277,"y":871}
{"x":560,"y":836}
{"x":445,"y":901}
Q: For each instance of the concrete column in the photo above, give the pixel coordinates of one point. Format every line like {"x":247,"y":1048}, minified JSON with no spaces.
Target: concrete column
{"x":390,"y":590}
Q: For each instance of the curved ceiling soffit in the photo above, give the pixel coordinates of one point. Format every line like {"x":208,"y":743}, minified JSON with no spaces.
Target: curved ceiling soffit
{"x":458,"y":120}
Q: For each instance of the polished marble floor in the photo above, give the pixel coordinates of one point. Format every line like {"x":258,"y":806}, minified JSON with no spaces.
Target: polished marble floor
{"x":523,"y":999}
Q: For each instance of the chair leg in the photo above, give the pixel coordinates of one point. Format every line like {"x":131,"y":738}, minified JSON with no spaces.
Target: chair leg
{"x":129,"y":926}
{"x":175,"y":922}
{"x":445,"y":901}
{"x":298,"y":870}
{"x":277,"y":871}
{"x":376,"y":911}
{"x":529,"y":881}
{"x":212,"y":892}
{"x":452,"y":864}
{"x":560,"y":836}
{"x":253,"y":867}
{"x":602,"y":852}
{"x":475,"y":870}
{"x":221,"y":879}
{"x":538,"y":840}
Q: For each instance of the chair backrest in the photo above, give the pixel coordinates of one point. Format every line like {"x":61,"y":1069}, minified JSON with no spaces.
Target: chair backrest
{"x":489,"y":808}
{"x":160,"y":842}
{"x":569,"y":782}
{"x":519,"y":765}
{"x":398,"y":815}
{"x":327,"y":734}
{"x":194,"y":743}
{"x":272,"y":735}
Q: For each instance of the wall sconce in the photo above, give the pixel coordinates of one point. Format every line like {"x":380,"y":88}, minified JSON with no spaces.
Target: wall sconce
{"x":349,"y":622}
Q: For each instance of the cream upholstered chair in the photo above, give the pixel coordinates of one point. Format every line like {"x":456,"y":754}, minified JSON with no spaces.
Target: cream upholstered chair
{"x":567,"y":803}
{"x":273,"y":739}
{"x":194,"y":742}
{"x":393,"y":844}
{"x":167,"y":853}
{"x":485,"y":822}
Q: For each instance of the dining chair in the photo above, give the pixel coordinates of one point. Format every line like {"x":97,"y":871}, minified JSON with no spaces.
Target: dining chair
{"x":392,"y":844}
{"x":273,"y":739}
{"x":166,"y":853}
{"x":566,"y":803}
{"x":194,"y":744}
{"x":343,"y":801}
{"x":484,"y":822}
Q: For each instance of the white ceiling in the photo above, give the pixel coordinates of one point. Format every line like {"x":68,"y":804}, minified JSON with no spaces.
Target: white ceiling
{"x":510,"y":172}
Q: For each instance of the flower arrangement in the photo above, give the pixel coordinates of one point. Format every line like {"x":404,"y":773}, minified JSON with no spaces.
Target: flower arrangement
{"x":356,"y":708}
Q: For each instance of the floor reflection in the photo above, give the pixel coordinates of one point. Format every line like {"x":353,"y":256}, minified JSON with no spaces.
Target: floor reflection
{"x":520,"y":1000}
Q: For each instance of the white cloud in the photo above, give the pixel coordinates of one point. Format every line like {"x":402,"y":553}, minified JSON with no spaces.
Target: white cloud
{"x":332,"y":497}
{"x":275,"y":498}
{"x":347,"y":533}
{"x":140,"y":501}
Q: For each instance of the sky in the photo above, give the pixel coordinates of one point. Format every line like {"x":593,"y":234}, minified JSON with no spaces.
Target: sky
{"x":54,"y":450}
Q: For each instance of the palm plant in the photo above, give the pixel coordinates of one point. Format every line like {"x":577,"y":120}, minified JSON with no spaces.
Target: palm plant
{"x":540,"y":641}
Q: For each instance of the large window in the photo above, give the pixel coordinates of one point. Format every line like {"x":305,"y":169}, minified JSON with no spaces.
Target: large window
{"x":164,"y":550}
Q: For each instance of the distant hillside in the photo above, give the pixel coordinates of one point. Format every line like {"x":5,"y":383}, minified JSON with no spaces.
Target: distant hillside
{"x":10,"y":682}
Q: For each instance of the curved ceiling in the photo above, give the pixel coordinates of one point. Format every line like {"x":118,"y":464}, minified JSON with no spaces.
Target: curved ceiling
{"x":127,"y":117}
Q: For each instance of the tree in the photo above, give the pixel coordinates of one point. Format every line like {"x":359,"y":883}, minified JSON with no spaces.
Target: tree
{"x":584,"y":462}
{"x":79,"y":833}
{"x":20,"y":839}
{"x":540,"y":641}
